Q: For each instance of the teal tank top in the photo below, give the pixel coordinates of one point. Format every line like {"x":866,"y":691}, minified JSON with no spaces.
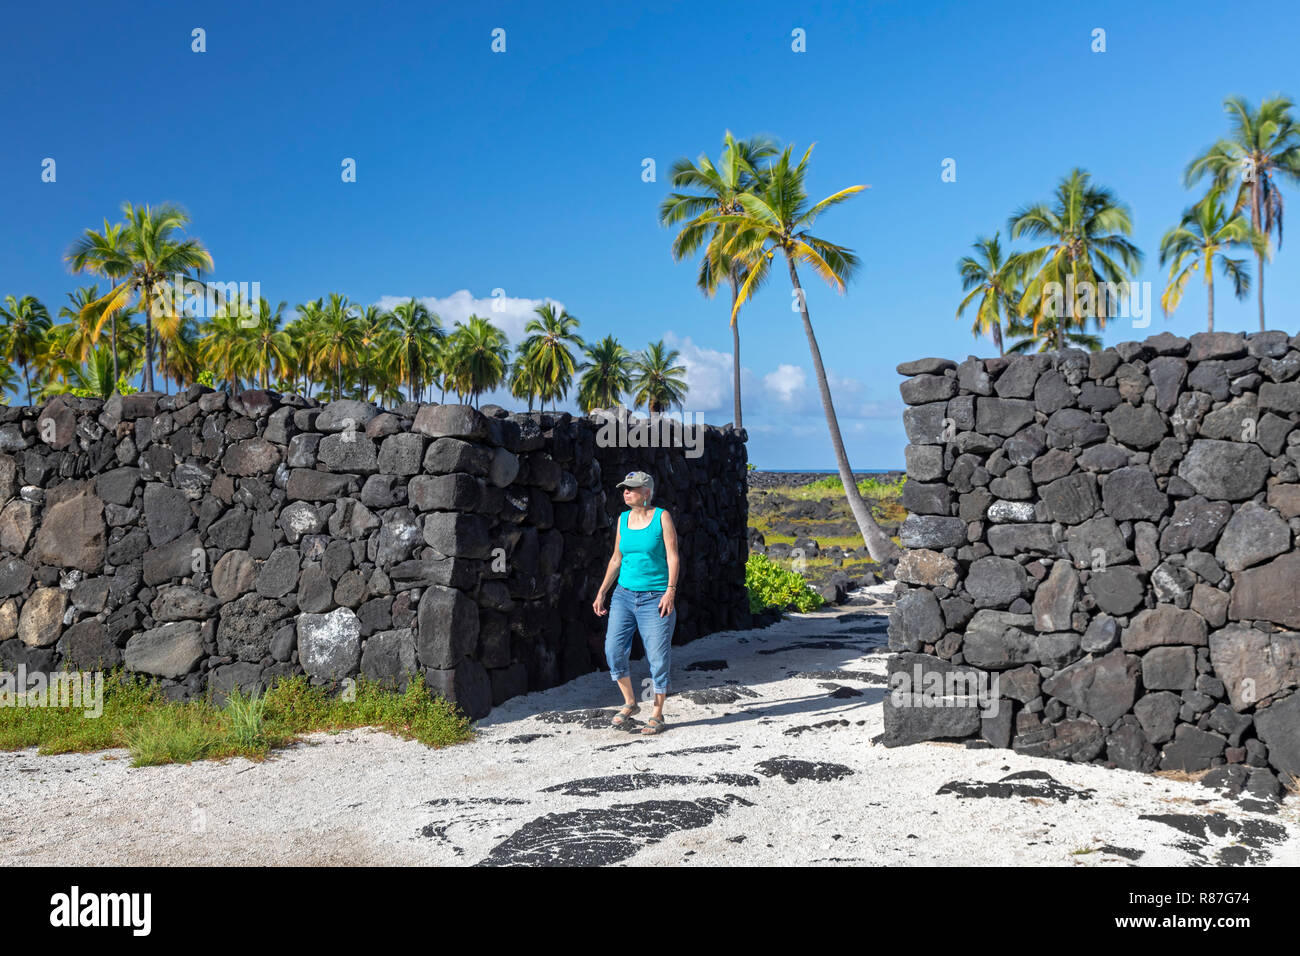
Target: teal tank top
{"x":645,"y":562}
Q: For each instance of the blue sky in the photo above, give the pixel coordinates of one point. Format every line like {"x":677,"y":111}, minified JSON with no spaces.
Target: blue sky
{"x":522,"y":171}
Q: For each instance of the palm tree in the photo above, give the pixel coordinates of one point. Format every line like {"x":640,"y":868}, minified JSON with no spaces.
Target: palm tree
{"x":57,"y":355}
{"x":993,"y":278}
{"x":777,"y":217}
{"x":1086,"y":230}
{"x":478,"y":357}
{"x":720,"y":186}
{"x":150,"y":253}
{"x":225,"y":344}
{"x":374,"y":350}
{"x":339,"y":337}
{"x":606,"y":375}
{"x":267,"y":347}
{"x":1041,"y":335}
{"x":1203,"y":236}
{"x":546,"y":351}
{"x":525,"y":381}
{"x":26,"y":322}
{"x":88,"y":323}
{"x":303,"y":333}
{"x":94,"y":376}
{"x":656,"y":382}
{"x":416,"y":335}
{"x":105,"y":253}
{"x":178,"y":338}
{"x":8,"y":380}
{"x":1265,"y":147}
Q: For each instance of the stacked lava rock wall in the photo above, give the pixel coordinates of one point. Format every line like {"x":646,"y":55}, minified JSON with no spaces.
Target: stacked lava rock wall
{"x":213,"y":540}
{"x":1113,"y":536}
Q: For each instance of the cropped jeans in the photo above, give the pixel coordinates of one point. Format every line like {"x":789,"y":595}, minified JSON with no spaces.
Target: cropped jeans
{"x":639,"y":610}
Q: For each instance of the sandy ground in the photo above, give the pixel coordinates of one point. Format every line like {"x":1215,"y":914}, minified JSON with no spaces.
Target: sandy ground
{"x":767,"y":759}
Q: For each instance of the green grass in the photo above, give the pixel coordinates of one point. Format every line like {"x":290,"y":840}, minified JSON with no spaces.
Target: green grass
{"x":156,"y":731}
{"x":831,"y":487}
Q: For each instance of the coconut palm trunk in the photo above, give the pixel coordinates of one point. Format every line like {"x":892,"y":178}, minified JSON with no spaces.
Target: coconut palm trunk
{"x":1209,"y":290}
{"x":148,"y":344}
{"x":1259,"y":256}
{"x":879,"y":546}
{"x":735,"y":349}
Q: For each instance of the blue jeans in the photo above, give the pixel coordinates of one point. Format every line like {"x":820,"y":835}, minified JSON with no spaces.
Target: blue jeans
{"x":639,"y":610}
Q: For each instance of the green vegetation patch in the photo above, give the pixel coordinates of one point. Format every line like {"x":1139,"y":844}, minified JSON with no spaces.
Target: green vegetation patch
{"x":770,"y":585}
{"x":156,"y":731}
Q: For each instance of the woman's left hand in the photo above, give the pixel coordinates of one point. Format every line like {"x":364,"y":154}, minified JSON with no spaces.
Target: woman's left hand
{"x":666,"y":602}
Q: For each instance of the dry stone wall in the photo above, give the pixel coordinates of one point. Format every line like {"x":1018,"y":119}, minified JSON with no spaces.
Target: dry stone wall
{"x":212,"y":540}
{"x":1111,"y":535}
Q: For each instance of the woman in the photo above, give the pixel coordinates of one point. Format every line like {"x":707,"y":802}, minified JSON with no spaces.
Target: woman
{"x":645,"y":563}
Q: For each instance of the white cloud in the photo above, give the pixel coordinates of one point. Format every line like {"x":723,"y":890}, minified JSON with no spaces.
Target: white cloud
{"x":787,"y":383}
{"x":708,"y":375}
{"x":508,"y":314}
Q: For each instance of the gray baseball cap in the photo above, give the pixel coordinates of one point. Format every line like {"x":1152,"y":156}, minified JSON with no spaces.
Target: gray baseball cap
{"x":638,"y":479}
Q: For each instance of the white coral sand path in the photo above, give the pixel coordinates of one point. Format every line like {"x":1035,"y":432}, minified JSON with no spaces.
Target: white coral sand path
{"x":770,"y":763}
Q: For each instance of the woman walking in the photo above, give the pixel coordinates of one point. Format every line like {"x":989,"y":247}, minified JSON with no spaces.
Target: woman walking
{"x":645,"y":563}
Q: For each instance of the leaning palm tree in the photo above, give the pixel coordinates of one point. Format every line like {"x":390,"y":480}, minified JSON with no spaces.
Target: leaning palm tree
{"x":718,"y":188}
{"x":26,"y":322}
{"x":478,"y":357}
{"x":1087,"y":231}
{"x":1203,"y":237}
{"x":150,"y":253}
{"x":776,"y":218}
{"x":1264,"y":147}
{"x":607,"y":374}
{"x":992,"y":277}
{"x":656,"y":382}
{"x":547,"y":351}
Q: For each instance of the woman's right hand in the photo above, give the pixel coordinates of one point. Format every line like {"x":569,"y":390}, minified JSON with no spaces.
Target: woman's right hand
{"x":598,"y":604}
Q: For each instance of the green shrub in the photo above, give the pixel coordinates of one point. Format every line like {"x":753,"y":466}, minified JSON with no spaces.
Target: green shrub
{"x":770,"y":585}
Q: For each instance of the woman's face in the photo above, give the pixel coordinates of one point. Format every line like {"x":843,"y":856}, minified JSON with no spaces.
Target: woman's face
{"x":635,"y":497}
